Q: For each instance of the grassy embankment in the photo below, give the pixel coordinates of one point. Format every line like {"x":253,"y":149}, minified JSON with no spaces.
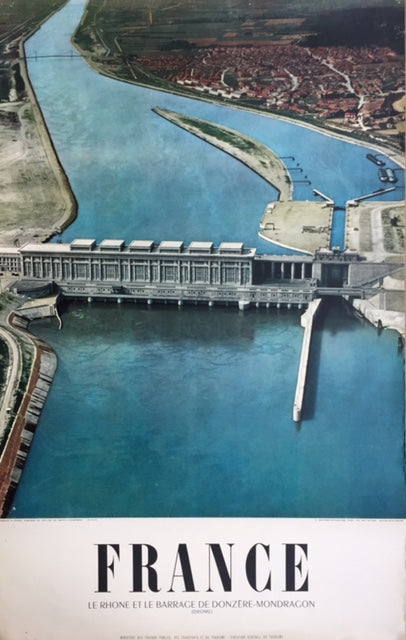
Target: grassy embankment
{"x":252,"y":153}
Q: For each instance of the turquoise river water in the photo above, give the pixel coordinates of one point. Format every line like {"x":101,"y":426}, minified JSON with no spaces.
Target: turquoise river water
{"x":167,"y":412}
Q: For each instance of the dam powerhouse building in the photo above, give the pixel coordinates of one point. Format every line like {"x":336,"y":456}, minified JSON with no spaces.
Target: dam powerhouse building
{"x":199,"y":273}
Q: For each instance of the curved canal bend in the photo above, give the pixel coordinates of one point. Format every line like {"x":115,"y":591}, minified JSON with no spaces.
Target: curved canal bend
{"x":188,"y":413}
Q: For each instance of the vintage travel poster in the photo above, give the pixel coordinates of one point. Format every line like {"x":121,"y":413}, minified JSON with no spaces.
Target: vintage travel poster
{"x":202,"y":426}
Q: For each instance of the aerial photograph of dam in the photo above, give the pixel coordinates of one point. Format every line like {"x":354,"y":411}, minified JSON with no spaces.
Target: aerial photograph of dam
{"x":202,"y":259}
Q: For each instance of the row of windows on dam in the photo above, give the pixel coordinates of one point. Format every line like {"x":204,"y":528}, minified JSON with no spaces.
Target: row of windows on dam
{"x":170,"y":262}
{"x":163,"y":271}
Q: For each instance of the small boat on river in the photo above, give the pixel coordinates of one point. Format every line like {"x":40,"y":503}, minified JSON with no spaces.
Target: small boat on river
{"x":391,"y":175}
{"x":375,"y":160}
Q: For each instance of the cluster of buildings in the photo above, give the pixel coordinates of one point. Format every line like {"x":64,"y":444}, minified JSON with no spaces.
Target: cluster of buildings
{"x":357,"y":85}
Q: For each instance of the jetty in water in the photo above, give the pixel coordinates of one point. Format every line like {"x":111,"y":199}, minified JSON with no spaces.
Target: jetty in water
{"x":255,"y":155}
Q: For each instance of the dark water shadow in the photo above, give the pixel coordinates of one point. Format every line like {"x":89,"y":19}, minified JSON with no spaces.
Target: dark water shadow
{"x":333,"y":316}
{"x":172,"y":325}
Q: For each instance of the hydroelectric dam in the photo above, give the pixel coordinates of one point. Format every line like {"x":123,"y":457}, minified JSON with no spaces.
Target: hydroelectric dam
{"x":198,"y":273}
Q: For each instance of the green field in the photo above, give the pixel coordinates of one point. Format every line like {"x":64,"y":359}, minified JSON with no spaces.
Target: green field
{"x":154,"y":27}
{"x":150,"y":27}
{"x":20,"y":17}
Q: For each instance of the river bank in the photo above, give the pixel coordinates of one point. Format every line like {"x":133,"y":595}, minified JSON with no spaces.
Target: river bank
{"x":36,"y":203}
{"x":36,"y":199}
{"x":33,"y":365}
{"x":378,"y":147}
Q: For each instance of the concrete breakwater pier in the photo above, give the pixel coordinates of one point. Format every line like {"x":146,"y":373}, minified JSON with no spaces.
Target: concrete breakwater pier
{"x":306,"y":321}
